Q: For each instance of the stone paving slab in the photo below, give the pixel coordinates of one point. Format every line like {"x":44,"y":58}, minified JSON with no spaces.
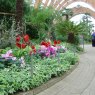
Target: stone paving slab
{"x":81,"y":81}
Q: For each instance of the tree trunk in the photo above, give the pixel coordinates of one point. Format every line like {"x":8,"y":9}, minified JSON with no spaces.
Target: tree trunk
{"x":71,"y":38}
{"x":19,"y":12}
{"x":67,"y":17}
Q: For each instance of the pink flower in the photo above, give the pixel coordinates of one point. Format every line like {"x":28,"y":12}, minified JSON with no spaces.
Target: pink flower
{"x":58,"y":47}
{"x":47,"y":54}
{"x":43,"y":48}
{"x":54,"y":48}
{"x":8,"y":55}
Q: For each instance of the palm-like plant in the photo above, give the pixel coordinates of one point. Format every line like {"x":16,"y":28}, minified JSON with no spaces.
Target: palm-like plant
{"x":70,"y":29}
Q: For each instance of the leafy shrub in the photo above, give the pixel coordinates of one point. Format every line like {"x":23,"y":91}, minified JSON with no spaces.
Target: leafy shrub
{"x":32,"y":31}
{"x":7,"y":34}
{"x":16,"y":78}
{"x":74,"y":48}
{"x":70,"y":57}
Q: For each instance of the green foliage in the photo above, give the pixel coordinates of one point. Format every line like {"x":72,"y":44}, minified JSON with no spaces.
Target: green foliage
{"x":86,"y":28}
{"x":32,"y":31}
{"x":74,"y":48}
{"x":65,"y":27}
{"x":7,"y":5}
{"x":68,"y":30}
{"x":67,"y":13}
{"x":70,"y":57}
{"x":5,"y":63}
{"x":77,"y":40}
{"x":16,"y":78}
{"x":7,"y":34}
{"x":20,"y":52}
{"x":40,"y":16}
{"x":40,"y":21}
{"x":16,"y":51}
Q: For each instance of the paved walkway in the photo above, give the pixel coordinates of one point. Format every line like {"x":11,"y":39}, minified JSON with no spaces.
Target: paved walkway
{"x":81,"y":81}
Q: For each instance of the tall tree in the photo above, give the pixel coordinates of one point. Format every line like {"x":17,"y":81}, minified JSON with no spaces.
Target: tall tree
{"x":19,"y":11}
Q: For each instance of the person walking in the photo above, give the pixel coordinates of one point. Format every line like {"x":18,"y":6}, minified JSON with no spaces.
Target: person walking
{"x":93,"y":39}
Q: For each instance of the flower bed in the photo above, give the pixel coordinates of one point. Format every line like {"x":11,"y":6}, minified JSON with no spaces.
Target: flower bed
{"x":14,"y":78}
{"x":27,"y":67}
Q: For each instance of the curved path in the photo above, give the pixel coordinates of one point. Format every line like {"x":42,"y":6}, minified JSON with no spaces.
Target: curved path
{"x":81,"y":81}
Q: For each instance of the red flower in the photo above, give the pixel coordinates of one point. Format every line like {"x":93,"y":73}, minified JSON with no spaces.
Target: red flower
{"x":18,"y":45}
{"x":26,"y":38}
{"x":48,"y":43}
{"x":58,"y":42}
{"x":33,"y":47}
{"x":43,"y":43}
{"x":55,"y":42}
{"x":21,"y":45}
{"x":18,"y":38}
{"x":34,"y":51}
{"x":30,"y":53}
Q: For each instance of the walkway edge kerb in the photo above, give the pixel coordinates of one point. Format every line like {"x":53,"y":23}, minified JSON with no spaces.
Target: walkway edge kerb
{"x":49,"y":83}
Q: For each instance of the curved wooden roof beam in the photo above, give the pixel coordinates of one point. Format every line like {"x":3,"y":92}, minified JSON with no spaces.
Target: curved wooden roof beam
{"x":52,"y":2}
{"x":57,"y":3}
{"x":37,"y":2}
{"x":61,"y":5}
{"x":46,"y":3}
{"x":65,"y":4}
{"x":83,"y":10}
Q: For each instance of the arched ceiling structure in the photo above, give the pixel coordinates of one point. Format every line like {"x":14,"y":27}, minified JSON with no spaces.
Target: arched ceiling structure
{"x":90,"y":2}
{"x":61,"y":4}
{"x":83,"y":10}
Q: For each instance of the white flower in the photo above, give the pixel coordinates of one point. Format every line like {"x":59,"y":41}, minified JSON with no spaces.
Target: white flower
{"x":22,"y":61}
{"x":14,"y":58}
{"x":9,"y":52}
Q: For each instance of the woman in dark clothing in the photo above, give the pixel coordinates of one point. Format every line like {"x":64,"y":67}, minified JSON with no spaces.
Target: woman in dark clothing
{"x":93,"y":39}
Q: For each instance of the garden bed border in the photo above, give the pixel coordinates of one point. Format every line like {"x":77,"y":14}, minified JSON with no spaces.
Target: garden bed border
{"x":49,"y":83}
